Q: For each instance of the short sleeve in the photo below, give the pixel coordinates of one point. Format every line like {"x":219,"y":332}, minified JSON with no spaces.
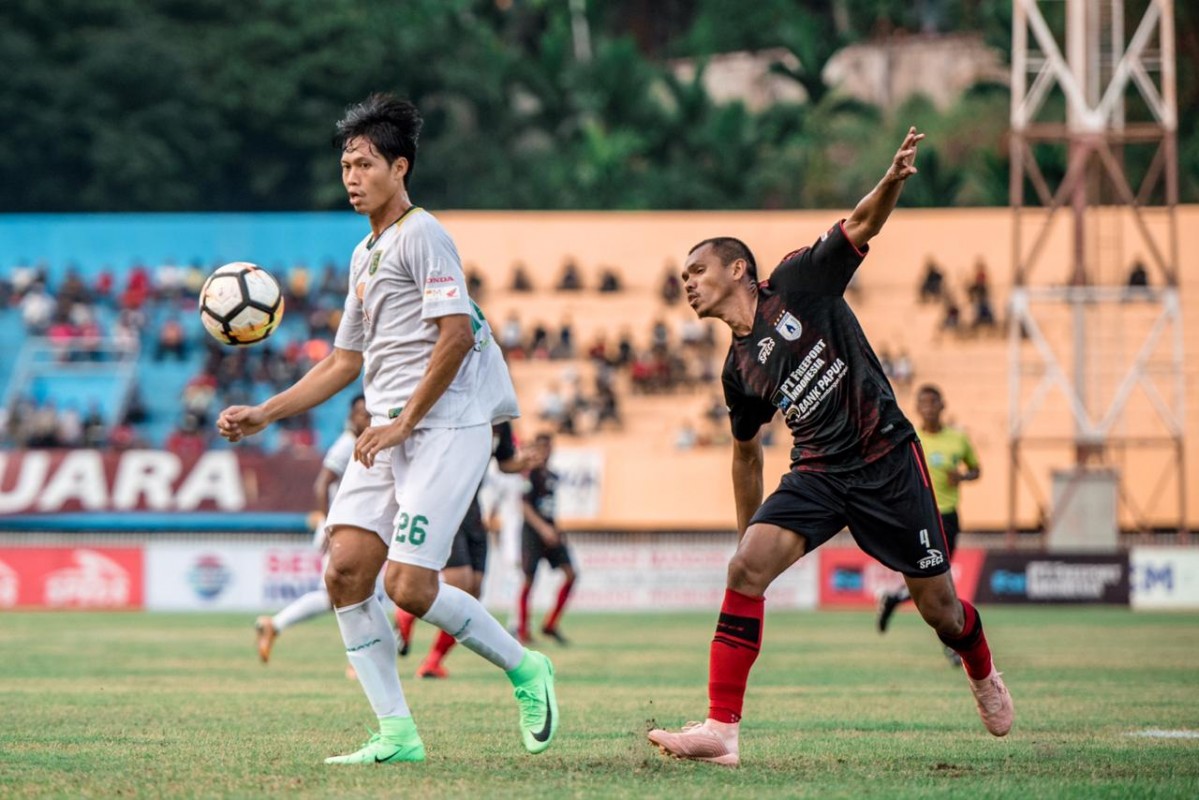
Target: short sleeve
{"x":337,"y":459}
{"x":746,"y":414}
{"x":969,"y":457}
{"x":350,"y":333}
{"x":825,"y":267}
{"x":432,"y":259}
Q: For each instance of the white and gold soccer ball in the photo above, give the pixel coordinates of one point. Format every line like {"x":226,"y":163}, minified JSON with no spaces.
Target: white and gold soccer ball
{"x":240,"y":304}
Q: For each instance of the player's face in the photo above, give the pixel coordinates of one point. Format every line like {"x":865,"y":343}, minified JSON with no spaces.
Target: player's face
{"x":929,"y":407}
{"x":540,"y":454}
{"x":370,"y":181}
{"x":707,"y":281}
{"x":359,"y":419}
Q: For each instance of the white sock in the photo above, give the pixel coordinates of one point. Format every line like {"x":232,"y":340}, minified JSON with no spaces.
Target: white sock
{"x":371,"y":647}
{"x":464,"y":618}
{"x":304,"y":607}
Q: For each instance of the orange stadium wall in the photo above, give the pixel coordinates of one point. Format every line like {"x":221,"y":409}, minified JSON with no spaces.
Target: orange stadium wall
{"x":646,"y":483}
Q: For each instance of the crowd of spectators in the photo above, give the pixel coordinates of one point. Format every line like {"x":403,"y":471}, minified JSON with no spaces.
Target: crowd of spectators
{"x":934,"y":288}
{"x":149,"y":313}
{"x":570,"y":279}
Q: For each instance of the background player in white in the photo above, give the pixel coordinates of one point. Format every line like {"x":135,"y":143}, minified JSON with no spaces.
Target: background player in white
{"x":434,"y":382}
{"x":317,"y":602}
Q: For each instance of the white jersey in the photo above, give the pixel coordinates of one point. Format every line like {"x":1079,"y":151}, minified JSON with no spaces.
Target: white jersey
{"x":399,"y":284}
{"x":337,"y":459}
{"x":338,"y":456}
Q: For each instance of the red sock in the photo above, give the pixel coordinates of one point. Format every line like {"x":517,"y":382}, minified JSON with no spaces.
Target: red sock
{"x":522,"y":627}
{"x":971,"y":645}
{"x":734,"y":650}
{"x":441,"y":645}
{"x":551,"y":622}
{"x":404,"y":622}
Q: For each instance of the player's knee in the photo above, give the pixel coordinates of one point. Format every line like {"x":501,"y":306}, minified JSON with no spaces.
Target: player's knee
{"x":746,"y":577}
{"x":415,"y":597}
{"x":345,"y":584}
{"x":943,"y":613}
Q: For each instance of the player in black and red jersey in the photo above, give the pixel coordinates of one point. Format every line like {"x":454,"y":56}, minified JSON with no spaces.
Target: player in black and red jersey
{"x":542,"y":539}
{"x":798,"y":349}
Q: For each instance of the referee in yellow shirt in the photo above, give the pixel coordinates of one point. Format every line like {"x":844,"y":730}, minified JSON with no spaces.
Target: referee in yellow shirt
{"x":951,"y":460}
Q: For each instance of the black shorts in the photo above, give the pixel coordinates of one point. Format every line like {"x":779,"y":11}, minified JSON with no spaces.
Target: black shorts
{"x":951,"y":526}
{"x":470,"y":543}
{"x":533,"y":549}
{"x":887,"y":505}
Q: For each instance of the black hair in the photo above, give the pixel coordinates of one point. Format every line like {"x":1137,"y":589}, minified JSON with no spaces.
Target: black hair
{"x":390,"y":123}
{"x":357,"y":399}
{"x":929,"y":388}
{"x":729,"y":250}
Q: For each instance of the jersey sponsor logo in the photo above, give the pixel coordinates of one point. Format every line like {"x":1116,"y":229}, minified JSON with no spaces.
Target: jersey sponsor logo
{"x":933,"y":559}
{"x":438,"y":294}
{"x":765,"y":348}
{"x":439,"y":279}
{"x":788,"y":326}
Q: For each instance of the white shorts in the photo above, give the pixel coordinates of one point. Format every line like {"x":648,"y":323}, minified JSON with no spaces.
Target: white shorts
{"x":417,"y":493}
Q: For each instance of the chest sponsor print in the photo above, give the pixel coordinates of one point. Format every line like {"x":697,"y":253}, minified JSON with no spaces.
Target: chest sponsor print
{"x":809,"y":383}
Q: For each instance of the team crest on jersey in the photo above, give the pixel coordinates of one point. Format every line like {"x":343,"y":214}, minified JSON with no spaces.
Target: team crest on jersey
{"x":375,"y":259}
{"x":765,"y":348}
{"x":788,"y":326}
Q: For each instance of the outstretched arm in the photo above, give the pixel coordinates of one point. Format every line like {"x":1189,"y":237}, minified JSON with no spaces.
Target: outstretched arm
{"x":747,"y":480}
{"x":872,"y":210}
{"x":330,"y":375}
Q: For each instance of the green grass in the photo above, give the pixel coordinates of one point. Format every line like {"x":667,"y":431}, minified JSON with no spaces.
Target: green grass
{"x":146,"y":705}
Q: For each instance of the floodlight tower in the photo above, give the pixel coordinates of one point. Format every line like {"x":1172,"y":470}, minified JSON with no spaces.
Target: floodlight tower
{"x":1096,"y":364}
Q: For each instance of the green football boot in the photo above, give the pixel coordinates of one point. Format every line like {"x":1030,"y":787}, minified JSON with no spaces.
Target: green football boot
{"x":396,"y":742}
{"x":534,"y":682}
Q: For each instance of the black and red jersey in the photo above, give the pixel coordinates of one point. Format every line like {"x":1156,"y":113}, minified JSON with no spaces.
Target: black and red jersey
{"x":807,"y":357}
{"x":541,"y":486}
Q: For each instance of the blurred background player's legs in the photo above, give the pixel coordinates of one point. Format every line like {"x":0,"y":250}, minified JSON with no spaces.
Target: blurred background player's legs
{"x":304,"y":607}
{"x":889,"y":601}
{"x":504,"y":491}
{"x":559,"y":558}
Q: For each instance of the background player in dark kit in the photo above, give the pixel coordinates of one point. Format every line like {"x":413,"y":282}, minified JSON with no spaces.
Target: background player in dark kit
{"x":542,"y":540}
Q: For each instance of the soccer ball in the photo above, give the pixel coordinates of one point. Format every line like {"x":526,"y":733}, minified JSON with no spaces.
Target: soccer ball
{"x":241,"y":304}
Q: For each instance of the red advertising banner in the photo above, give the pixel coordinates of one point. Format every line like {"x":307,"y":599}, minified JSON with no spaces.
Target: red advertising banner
{"x":60,"y":481}
{"x":71,"y":577}
{"x":849,"y":577}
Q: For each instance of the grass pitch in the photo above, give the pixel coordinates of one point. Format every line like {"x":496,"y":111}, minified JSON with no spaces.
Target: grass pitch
{"x":158,"y":705}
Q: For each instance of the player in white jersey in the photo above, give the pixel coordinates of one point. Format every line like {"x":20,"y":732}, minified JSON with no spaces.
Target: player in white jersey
{"x":317,"y":602}
{"x":435,"y":382}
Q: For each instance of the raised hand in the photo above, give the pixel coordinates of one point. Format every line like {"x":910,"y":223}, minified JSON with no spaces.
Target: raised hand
{"x":903,"y":166}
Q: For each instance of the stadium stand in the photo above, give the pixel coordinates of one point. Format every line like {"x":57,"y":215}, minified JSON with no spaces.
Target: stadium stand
{"x":653,"y":410}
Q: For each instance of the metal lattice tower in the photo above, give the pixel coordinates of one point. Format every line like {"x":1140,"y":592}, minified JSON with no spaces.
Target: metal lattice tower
{"x":1096,"y":365}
